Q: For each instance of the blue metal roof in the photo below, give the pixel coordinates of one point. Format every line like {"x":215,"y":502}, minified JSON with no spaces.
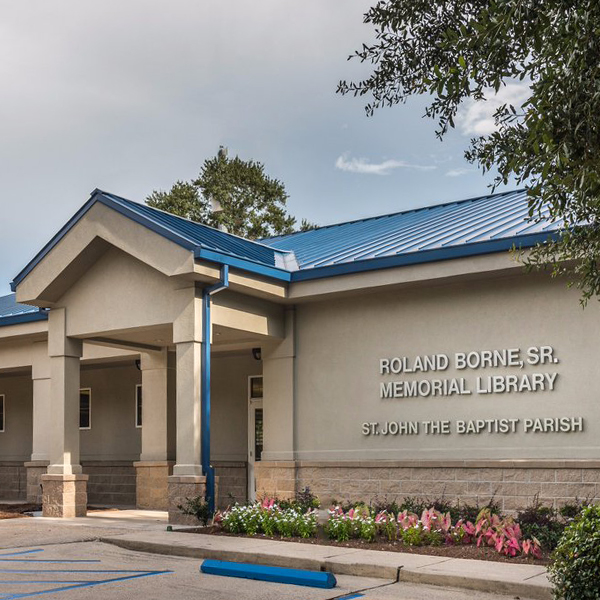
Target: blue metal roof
{"x":481,"y":225}
{"x":12,"y":313}
{"x":475,"y":226}
{"x":203,"y":236}
{"x":206,"y":242}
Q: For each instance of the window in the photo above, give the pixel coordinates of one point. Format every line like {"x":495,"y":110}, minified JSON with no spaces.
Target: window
{"x":258,"y":433}
{"x":256,"y":387}
{"x":138,"y":405}
{"x":1,"y":413}
{"x":85,"y":409}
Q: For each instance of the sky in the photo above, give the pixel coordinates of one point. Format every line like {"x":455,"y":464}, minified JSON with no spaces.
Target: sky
{"x":131,"y":96}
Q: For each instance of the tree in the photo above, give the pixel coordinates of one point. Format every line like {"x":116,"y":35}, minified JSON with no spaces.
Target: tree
{"x":456,"y":50}
{"x":231,"y":194}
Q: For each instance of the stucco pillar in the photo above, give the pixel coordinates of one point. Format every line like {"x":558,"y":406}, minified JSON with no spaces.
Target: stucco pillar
{"x":154,"y":468}
{"x":64,"y":487}
{"x":40,"y":374}
{"x":276,"y":472}
{"x":187,"y":480}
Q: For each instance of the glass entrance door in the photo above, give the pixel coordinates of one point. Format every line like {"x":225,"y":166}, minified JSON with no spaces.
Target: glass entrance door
{"x":255,"y":430}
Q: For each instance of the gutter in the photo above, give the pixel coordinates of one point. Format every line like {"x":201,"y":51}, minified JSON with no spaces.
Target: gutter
{"x":30,"y":317}
{"x":519,"y":242}
{"x":207,"y":468}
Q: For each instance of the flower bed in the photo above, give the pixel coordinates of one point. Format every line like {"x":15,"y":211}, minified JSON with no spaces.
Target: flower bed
{"x":431,"y":528}
{"x":270,"y":519}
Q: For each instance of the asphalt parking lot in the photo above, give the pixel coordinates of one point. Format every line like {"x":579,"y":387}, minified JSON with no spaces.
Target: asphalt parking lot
{"x":62,"y":559}
{"x":93,"y":570}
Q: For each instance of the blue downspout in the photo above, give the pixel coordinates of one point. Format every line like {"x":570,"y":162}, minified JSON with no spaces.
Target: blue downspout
{"x":207,"y":468}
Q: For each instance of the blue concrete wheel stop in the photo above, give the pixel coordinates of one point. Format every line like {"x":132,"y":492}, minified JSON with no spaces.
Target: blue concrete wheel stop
{"x":316,"y":579}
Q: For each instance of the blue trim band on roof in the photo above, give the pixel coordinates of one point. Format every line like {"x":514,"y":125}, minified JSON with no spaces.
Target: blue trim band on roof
{"x":245,"y":265}
{"x":424,"y":256}
{"x":48,"y":247}
{"x":481,"y":225}
{"x":24,"y":318}
{"x":99,"y":196}
{"x":201,"y":235}
{"x":180,"y":240}
{"x":185,"y":233}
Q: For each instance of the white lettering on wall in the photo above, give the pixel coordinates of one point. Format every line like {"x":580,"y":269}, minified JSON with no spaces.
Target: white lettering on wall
{"x":509,"y":359}
{"x":476,"y":426}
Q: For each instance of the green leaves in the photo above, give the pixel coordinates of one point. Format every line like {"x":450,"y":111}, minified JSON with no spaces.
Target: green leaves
{"x":233,"y":194}
{"x":574,"y":570}
{"x":457,"y":50}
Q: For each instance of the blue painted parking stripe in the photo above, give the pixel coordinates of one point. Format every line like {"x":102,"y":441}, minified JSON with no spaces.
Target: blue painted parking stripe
{"x":34,"y":560}
{"x":351,"y":596}
{"x":224,"y":568}
{"x":83,"y":585}
{"x":21,"y":582}
{"x":75,"y":571}
{"x":64,"y":584}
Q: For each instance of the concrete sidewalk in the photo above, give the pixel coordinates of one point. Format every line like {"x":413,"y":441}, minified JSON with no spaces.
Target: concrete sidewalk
{"x":525,"y":581}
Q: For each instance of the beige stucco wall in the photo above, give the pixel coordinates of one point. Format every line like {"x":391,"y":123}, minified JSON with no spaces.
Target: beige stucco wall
{"x":15,"y":441}
{"x":229,"y":377}
{"x":339,"y":344}
{"x":121,"y":292}
{"x":113,"y":435}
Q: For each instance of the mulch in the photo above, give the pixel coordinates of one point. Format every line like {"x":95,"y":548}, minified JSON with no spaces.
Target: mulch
{"x":16,"y":511}
{"x":465,"y":551}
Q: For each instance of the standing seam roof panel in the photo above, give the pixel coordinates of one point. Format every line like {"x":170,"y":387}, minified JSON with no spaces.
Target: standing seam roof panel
{"x":473,"y":221}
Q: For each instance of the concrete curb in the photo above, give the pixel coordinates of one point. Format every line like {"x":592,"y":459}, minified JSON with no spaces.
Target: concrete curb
{"x":429,"y":576}
{"x":510,"y":588}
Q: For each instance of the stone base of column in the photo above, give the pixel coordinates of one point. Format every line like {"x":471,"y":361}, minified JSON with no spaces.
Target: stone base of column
{"x":35,"y":470}
{"x":182,"y":488}
{"x":275,"y":479}
{"x":151,"y":484}
{"x":64,"y":495}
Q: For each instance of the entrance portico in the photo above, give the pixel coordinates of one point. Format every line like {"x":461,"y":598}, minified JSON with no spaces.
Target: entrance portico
{"x":112,"y":281}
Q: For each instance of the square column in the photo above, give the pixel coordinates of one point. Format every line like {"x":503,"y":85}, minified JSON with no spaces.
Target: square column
{"x":154,"y":468}
{"x":188,"y":410}
{"x":64,"y":487}
{"x":187,"y":480}
{"x":40,"y":374}
{"x":276,"y":473}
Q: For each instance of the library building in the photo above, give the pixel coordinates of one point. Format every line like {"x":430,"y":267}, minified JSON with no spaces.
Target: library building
{"x":146,"y":359}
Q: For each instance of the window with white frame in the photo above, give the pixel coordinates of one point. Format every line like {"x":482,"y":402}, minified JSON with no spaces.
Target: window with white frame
{"x":138,"y":405}
{"x":85,"y":408}
{"x":1,"y":413}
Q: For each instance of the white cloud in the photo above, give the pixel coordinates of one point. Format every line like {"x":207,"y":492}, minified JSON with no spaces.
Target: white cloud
{"x":362,"y":165}
{"x":457,"y":172}
{"x":477,"y":117}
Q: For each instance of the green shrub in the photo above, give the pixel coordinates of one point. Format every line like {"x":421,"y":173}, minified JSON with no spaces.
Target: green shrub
{"x":576,"y":560}
{"x":469,"y":512}
{"x":368,"y":529}
{"x":303,"y":501}
{"x":571,"y":510}
{"x":541,"y":522}
{"x":458,"y":511}
{"x":197,"y":507}
{"x":414,"y":504}
{"x":383,"y":505}
{"x":413,"y":536}
{"x":268,"y":518}
{"x":338,"y":528}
